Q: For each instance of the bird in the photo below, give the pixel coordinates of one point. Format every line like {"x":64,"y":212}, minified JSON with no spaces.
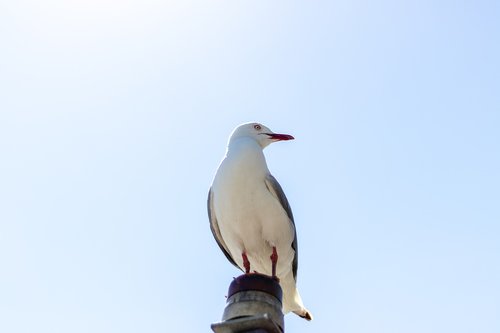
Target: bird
{"x":249,"y":214}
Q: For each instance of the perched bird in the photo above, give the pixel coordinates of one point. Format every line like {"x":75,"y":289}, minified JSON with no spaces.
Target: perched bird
{"x":249,"y":214}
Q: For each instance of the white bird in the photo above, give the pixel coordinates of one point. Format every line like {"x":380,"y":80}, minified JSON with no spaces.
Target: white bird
{"x":249,"y":214}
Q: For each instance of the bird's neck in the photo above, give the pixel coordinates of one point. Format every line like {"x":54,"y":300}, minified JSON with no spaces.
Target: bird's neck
{"x":246,"y":155}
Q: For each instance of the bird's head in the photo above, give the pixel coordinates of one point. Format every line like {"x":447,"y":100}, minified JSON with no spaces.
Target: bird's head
{"x":260,"y":133}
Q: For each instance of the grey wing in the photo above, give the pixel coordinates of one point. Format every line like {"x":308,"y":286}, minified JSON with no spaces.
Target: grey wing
{"x":275,"y":188}
{"x":214,"y":226}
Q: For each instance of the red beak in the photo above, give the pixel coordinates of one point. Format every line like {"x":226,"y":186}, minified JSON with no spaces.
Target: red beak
{"x":280,"y":137}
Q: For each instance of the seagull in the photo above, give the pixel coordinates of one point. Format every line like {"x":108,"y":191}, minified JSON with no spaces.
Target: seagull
{"x":249,"y":214}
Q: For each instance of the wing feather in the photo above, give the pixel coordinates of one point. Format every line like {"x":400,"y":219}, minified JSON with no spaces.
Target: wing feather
{"x":214,"y":226}
{"x":275,"y":188}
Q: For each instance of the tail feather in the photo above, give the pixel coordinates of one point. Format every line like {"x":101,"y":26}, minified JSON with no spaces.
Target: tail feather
{"x":304,"y":314}
{"x":292,"y":302}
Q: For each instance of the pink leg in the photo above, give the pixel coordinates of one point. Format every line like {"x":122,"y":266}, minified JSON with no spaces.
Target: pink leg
{"x":246,"y":263}
{"x":274,"y":261}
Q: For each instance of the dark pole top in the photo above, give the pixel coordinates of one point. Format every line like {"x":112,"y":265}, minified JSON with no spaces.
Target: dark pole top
{"x":256,"y":282}
{"x":253,"y":305}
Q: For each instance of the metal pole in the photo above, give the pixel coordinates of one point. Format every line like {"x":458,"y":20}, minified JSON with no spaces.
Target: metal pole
{"x":254,"y":303}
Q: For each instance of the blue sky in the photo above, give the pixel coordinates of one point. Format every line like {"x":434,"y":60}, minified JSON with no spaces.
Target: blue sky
{"x":114,"y":116}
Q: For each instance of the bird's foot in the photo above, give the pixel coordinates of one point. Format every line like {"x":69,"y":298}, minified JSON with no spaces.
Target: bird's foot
{"x":246,"y":263}
{"x":274,"y":262}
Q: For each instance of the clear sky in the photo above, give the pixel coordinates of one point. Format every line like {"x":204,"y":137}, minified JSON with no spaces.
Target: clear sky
{"x":114,"y":116}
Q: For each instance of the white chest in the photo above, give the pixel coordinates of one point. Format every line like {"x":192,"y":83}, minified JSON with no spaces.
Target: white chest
{"x":249,"y":216}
